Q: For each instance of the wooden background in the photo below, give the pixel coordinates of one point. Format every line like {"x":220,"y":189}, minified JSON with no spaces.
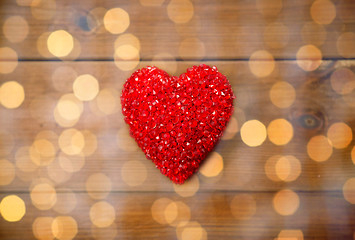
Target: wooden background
{"x":283,"y":170}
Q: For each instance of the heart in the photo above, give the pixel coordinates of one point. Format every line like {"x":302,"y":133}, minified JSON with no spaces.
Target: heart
{"x":177,"y":121}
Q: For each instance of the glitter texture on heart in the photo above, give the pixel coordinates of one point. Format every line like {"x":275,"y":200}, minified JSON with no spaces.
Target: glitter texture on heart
{"x":177,"y":121}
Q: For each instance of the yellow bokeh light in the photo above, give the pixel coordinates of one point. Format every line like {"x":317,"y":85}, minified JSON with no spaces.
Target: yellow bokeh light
{"x":71,"y":141}
{"x":42,"y":228}
{"x":107,"y":233}
{"x":126,"y":57}
{"x":313,"y":33}
{"x":134,"y":173}
{"x":64,"y":228}
{"x":60,"y":43}
{"x":212,"y":166}
{"x":276,"y":35}
{"x":7,"y":173}
{"x":253,"y":133}
{"x":102,"y":214}
{"x":189,"y":188}
{"x":165,"y":61}
{"x":309,"y":57}
{"x":290,"y":234}
{"x":193,"y":230}
{"x":57,"y":173}
{"x":68,"y":110}
{"x":280,"y":131}
{"x":345,"y":44}
{"x":353,"y":155}
{"x":282,"y":94}
{"x":63,"y":78}
{"x":180,"y":11}
{"x":107,"y":101}
{"x":127,"y":39}
{"x":177,"y":212}
{"x":243,"y":206}
{"x":23,"y":160}
{"x":98,"y":186}
{"x":12,"y":208}
{"x":66,"y":201}
{"x":43,"y":196}
{"x":231,"y":130}
{"x":15,"y":29}
{"x":43,"y":9}
{"x":319,"y":148}
{"x":192,"y":48}
{"x":261,"y":63}
{"x":12,"y":94}
{"x":8,"y":60}
{"x":90,"y":143}
{"x":116,"y":20}
{"x":323,"y":11}
{"x":72,"y":163}
{"x":342,"y":81}
{"x":42,"y":47}
{"x":286,"y":202}
{"x":288,"y":168}
{"x":349,"y":190}
{"x":86,"y":87}
{"x":158,"y":209}
{"x":340,"y":135}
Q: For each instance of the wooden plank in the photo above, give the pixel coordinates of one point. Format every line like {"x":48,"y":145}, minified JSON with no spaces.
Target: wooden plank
{"x":228,"y":29}
{"x":244,"y":166}
{"x":320,"y":215}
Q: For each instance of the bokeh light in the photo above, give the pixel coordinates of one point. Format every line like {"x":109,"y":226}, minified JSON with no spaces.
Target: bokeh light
{"x":102,"y":214}
{"x":15,"y":29}
{"x":345,"y":44}
{"x":71,"y":163}
{"x":60,"y":43}
{"x":177,"y":212}
{"x":42,"y":228}
{"x":71,"y":141}
{"x":68,"y":110}
{"x":116,"y":20}
{"x":319,"y":148}
{"x":340,"y":135}
{"x":286,"y":202}
{"x":8,"y":60}
{"x":323,"y":11}
{"x":66,"y":201}
{"x":158,"y":208}
{"x":243,"y":206}
{"x":106,"y":102}
{"x":12,"y":94}
{"x":189,"y":188}
{"x":349,"y":190}
{"x":12,"y":208}
{"x":282,"y":94}
{"x":134,"y":173}
{"x":85,"y":87}
{"x":98,"y":185}
{"x":261,"y":63}
{"x":191,"y":230}
{"x":280,"y":131}
{"x":43,"y":196}
{"x":7,"y":173}
{"x":285,"y":168}
{"x":180,"y":11}
{"x":269,"y":8}
{"x":253,"y":133}
{"x":64,"y":227}
{"x":126,"y":57}
{"x":309,"y":57}
{"x":212,"y":166}
{"x":342,"y":80}
{"x":290,"y":234}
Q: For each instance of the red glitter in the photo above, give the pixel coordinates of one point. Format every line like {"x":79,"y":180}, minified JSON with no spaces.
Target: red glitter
{"x":177,"y":121}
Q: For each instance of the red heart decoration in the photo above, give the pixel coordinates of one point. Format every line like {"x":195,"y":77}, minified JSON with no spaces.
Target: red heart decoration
{"x":177,"y":121}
